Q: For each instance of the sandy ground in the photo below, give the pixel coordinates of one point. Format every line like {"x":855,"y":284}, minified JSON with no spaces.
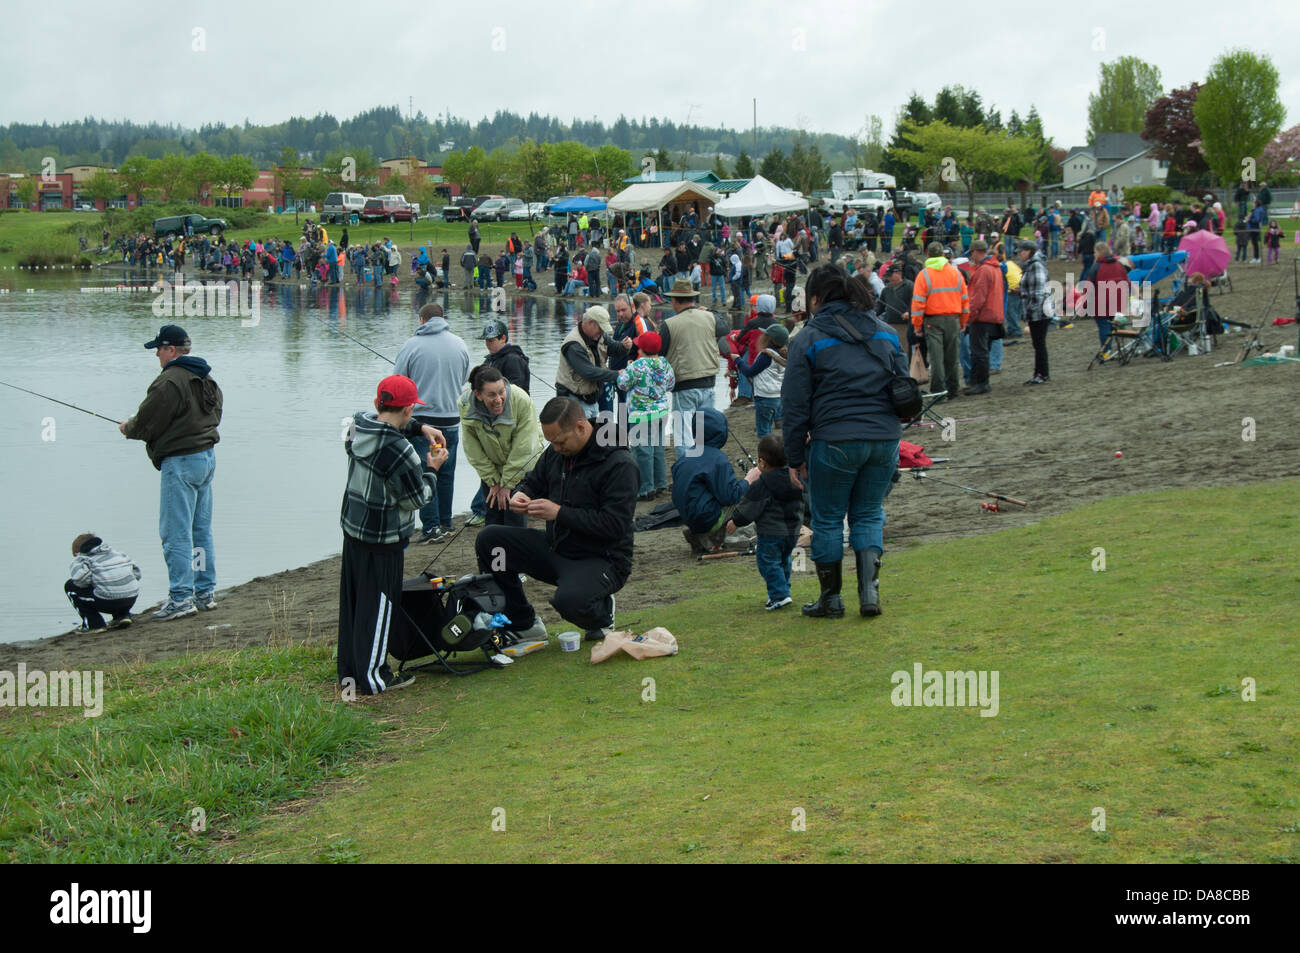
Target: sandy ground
{"x":1178,"y":424}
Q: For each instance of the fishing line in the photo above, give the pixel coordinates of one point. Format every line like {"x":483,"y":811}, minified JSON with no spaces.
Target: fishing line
{"x":57,"y":401}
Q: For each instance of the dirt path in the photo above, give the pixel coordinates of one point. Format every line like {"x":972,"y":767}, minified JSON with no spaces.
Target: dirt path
{"x":1178,"y":424}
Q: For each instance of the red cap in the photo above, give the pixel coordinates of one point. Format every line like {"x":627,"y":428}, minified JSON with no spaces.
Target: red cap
{"x":648,"y":343}
{"x":397,"y":391}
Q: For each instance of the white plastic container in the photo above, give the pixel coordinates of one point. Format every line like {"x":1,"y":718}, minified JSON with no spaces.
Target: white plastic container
{"x":570,"y":641}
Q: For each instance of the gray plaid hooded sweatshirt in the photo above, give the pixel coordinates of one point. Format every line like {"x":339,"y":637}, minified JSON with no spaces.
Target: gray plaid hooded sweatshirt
{"x":387,"y":483}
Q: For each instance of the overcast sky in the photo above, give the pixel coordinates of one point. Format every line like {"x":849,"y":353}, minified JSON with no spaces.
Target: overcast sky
{"x":823,"y":66}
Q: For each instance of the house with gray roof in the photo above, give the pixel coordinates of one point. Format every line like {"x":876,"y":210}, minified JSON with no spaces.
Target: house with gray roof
{"x":1116,"y":158}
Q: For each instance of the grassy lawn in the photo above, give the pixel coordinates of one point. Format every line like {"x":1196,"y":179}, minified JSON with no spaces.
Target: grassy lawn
{"x":227,"y":735}
{"x":1120,"y":690}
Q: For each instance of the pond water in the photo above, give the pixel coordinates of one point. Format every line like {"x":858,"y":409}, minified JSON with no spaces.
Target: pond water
{"x":288,"y":380}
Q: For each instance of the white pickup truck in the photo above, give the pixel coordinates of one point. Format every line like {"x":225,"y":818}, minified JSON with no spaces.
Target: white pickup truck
{"x":870,"y":200}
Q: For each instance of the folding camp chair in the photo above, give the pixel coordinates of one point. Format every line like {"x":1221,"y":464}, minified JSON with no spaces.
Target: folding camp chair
{"x":1121,"y":345}
{"x":1183,"y":327}
{"x":927,"y":410}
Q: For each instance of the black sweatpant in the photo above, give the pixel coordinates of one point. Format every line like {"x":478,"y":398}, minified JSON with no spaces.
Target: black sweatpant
{"x":1038,"y":334}
{"x":90,"y":606}
{"x":370,"y":592}
{"x":582,"y":586}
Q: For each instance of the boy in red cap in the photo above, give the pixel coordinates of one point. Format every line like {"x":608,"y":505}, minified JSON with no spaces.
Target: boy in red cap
{"x":648,"y":382}
{"x":387,"y":485}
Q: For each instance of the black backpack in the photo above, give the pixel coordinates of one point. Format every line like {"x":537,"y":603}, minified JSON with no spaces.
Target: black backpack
{"x":440,"y":616}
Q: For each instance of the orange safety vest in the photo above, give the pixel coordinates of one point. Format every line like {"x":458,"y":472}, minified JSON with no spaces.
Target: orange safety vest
{"x":948,"y":297}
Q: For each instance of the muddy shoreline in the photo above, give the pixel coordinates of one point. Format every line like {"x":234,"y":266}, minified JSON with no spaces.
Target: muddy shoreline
{"x":1178,"y":424}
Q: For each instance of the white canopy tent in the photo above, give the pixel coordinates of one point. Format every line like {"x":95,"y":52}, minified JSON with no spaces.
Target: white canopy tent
{"x":653,"y":196}
{"x":760,"y":197}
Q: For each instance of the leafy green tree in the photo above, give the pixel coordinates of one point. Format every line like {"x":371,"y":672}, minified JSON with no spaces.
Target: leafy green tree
{"x":531,"y":173}
{"x":236,"y":174}
{"x":967,"y":155}
{"x":26,"y":190}
{"x":744,"y":166}
{"x":1125,"y":91}
{"x":473,"y":170}
{"x":1238,"y":111}
{"x":136,"y":173}
{"x":915,"y":111}
{"x":611,"y":166}
{"x":204,"y":168}
{"x":662,"y":161}
{"x":719,"y":168}
{"x":103,"y":186}
{"x":168,"y":175}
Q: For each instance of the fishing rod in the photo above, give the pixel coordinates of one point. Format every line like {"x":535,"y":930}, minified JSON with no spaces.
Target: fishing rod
{"x":465,"y":525}
{"x":63,"y":402}
{"x":922,"y":474}
{"x":352,"y":339}
{"x":1254,"y":339}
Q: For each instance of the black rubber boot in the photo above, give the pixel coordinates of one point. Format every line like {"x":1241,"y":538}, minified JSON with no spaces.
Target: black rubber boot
{"x":868,"y":581}
{"x":829,"y":605}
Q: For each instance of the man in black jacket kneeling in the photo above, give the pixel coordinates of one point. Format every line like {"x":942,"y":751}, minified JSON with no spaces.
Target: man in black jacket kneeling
{"x":584,"y":487}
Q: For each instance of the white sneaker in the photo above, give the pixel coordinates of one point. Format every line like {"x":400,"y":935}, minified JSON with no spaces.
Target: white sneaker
{"x":531,"y":634}
{"x":777,"y":603}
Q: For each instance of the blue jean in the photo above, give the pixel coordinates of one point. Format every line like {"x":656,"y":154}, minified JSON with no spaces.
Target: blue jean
{"x":685,"y":403}
{"x":849,"y":477}
{"x":647,"y":440}
{"x":773,"y":557}
{"x":437,"y":512}
{"x":719,"y":289}
{"x":766,"y":410}
{"x":1012,"y":312}
{"x":1103,"y":330}
{"x":185,"y":524}
{"x":478,"y":506}
{"x":744,"y":385}
{"x":1055,"y":246}
{"x":334,"y":273}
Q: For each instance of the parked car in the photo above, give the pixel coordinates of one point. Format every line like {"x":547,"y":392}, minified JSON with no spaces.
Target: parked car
{"x":479,"y":202}
{"x":527,"y":213}
{"x":401,"y":200}
{"x":341,"y":206}
{"x":84,"y":207}
{"x":387,"y":210}
{"x":458,"y":210}
{"x":175,"y":225}
{"x":931,"y":201}
{"x":497,"y":210}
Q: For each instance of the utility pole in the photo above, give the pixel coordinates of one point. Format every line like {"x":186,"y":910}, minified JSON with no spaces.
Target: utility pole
{"x":756,"y":127}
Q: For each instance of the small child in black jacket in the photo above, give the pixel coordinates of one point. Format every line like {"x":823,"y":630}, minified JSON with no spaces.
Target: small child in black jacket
{"x":775,"y":506}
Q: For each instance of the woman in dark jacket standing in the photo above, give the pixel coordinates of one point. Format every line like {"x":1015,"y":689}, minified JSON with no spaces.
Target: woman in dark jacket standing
{"x":841,"y":432}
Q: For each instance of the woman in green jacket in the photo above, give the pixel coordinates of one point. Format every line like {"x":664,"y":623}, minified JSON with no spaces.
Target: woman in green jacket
{"x":501,"y":438}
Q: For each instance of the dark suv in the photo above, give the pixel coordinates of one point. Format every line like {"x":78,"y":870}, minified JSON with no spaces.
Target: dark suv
{"x":458,"y":210}
{"x":175,"y":225}
{"x":387,"y":210}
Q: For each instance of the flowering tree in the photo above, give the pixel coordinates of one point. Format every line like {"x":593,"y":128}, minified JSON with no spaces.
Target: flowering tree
{"x":1279,"y":163}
